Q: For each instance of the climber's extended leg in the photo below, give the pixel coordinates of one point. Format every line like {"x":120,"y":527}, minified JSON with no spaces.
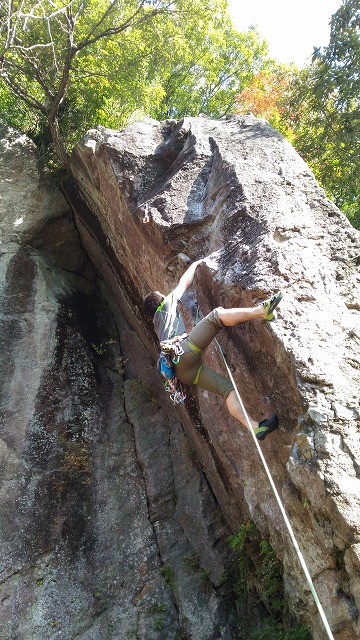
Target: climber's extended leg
{"x":212,"y":381}
{"x":265,"y":311}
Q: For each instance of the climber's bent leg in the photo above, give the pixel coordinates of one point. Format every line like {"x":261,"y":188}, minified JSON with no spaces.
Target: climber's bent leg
{"x":209,"y":380}
{"x":261,"y":429}
{"x":212,"y":381}
{"x":232,"y":317}
{"x":235,"y":409}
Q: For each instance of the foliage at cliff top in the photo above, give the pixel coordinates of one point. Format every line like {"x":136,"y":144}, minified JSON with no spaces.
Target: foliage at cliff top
{"x":325,"y":110}
{"x":77,"y":64}
{"x":265,"y":96}
{"x":318,"y":109}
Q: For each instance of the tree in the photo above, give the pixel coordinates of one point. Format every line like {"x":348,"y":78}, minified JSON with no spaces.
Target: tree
{"x":318,"y":109}
{"x":204,"y":79}
{"x":266,"y":96}
{"x":324,"y":109}
{"x":42,"y":43}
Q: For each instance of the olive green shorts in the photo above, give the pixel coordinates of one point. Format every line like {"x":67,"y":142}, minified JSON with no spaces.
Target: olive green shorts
{"x":191,"y":369}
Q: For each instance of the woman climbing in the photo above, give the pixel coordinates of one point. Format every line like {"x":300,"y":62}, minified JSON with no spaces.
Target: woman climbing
{"x":168,"y":324}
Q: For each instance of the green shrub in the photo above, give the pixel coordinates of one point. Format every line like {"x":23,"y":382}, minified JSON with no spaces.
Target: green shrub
{"x":258,"y":577}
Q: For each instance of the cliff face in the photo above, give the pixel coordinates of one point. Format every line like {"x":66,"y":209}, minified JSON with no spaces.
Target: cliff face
{"x":237,"y":191}
{"x":115,"y":505}
{"x":108,"y":526}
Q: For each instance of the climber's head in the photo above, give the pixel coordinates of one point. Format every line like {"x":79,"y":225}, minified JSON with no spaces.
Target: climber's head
{"x":152,"y":302}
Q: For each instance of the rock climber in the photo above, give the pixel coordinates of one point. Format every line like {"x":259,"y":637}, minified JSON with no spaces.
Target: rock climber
{"x":190,"y":369}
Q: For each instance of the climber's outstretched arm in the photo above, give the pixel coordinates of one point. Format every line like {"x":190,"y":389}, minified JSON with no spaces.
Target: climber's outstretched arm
{"x":186,"y":279}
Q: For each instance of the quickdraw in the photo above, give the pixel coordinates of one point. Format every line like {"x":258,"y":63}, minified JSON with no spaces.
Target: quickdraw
{"x":146,"y":217}
{"x":176,"y":390}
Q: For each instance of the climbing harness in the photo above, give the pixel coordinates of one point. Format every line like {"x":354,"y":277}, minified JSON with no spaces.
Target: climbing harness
{"x":278,"y":499}
{"x":170,"y":353}
{"x":173,"y":347}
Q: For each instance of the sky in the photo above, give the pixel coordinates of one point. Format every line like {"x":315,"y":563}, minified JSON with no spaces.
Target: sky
{"x":291,"y":27}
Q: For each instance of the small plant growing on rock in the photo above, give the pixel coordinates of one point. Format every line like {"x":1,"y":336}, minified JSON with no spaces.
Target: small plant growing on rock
{"x":192,"y":561}
{"x":258,"y":574}
{"x":158,"y":624}
{"x":275,"y":631}
{"x":98,"y":348}
{"x":118,"y":366}
{"x":156,"y":608}
{"x":205,"y":576}
{"x":77,"y":461}
{"x":168,"y":573}
{"x":258,"y":568}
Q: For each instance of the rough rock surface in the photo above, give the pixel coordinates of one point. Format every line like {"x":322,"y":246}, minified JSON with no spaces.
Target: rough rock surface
{"x":235,"y":190}
{"x":108,"y":526}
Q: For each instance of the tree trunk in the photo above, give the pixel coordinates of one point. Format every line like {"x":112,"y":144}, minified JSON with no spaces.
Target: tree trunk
{"x":58,"y":142}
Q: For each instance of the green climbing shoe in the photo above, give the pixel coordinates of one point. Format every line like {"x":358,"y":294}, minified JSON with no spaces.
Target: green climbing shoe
{"x":266,"y":426}
{"x":271,"y":304}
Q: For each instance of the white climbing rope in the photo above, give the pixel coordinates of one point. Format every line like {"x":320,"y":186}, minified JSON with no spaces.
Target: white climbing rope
{"x":282,"y":509}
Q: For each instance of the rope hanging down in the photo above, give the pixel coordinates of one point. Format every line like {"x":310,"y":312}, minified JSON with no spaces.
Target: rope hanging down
{"x":282,"y":509}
